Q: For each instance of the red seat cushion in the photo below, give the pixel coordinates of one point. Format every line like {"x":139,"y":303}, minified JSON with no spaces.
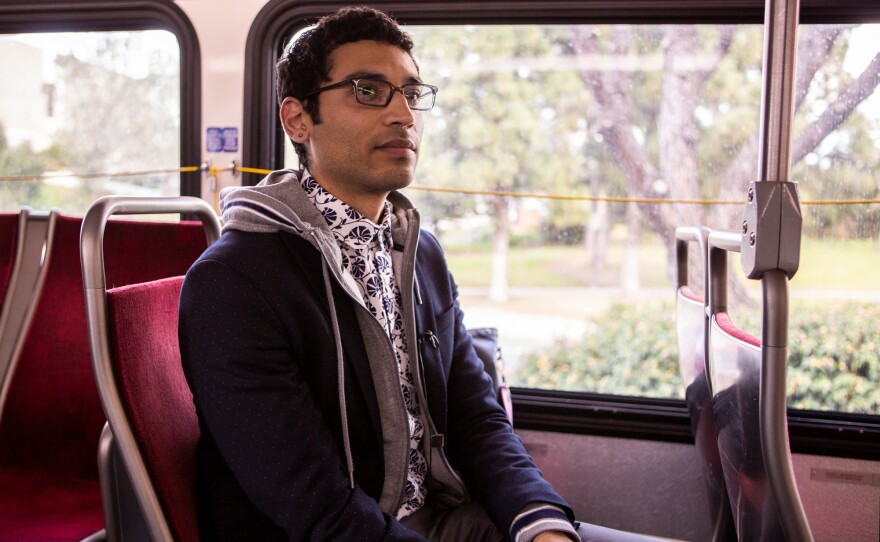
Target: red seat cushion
{"x":727,"y":325}
{"x":690,"y":294}
{"x":159,"y":404}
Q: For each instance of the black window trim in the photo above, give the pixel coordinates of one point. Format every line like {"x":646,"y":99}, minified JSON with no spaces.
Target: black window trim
{"x":826,"y":433}
{"x":835,"y":434}
{"x":18,"y":17}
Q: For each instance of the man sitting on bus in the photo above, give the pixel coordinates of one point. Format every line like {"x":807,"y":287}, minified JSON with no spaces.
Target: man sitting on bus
{"x":338,"y":393}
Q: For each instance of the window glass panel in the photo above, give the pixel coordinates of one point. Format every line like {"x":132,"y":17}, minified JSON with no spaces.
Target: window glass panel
{"x":834,"y":339}
{"x":88,"y":114}
{"x":581,"y":290}
{"x":571,"y":118}
{"x":834,"y":332}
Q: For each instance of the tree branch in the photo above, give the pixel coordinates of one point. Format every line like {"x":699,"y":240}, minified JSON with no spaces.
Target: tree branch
{"x":838,"y":111}
{"x":814,"y":46}
{"x":610,"y":114}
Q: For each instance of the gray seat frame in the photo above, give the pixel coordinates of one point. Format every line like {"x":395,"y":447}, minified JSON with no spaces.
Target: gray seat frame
{"x":36,"y":231}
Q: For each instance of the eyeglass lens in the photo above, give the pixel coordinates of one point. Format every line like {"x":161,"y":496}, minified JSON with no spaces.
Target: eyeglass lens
{"x":379,"y":93}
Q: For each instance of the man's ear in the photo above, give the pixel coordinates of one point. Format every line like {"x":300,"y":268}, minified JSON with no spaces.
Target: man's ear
{"x":297,"y":123}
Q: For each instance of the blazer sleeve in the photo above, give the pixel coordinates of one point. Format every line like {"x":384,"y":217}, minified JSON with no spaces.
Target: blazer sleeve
{"x":491,"y":459}
{"x":262,"y":416}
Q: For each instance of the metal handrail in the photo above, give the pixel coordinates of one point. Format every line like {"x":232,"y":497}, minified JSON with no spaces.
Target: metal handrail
{"x":685,"y":235}
{"x":94,"y":283}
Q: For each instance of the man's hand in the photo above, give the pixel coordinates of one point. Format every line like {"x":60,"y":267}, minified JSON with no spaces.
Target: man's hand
{"x":552,"y":536}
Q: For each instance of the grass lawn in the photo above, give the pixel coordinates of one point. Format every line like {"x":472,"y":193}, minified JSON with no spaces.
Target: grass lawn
{"x":825,"y":265}
{"x":845,"y":265}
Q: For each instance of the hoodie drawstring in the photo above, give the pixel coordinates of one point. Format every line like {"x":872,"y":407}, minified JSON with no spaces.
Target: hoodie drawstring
{"x":328,"y":286}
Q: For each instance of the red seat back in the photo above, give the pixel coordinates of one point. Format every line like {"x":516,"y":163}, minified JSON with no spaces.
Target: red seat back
{"x":158,"y":403}
{"x":53,"y":416}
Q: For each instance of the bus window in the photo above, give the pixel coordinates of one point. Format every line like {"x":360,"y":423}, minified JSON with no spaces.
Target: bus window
{"x":87,"y":114}
{"x":559,"y":159}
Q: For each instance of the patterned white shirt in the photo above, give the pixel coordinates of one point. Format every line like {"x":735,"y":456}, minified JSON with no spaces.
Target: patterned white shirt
{"x":366,"y":254}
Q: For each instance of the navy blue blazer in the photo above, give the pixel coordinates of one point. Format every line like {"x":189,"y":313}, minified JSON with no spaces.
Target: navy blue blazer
{"x":258,"y":352}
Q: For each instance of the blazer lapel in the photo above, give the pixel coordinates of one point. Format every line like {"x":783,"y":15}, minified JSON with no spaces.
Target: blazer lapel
{"x":308,"y":260}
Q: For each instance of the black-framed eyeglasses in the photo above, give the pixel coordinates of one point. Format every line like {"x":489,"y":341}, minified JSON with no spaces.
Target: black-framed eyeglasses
{"x":378,"y":93}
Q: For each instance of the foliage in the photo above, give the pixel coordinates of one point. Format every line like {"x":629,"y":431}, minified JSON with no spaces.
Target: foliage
{"x":625,"y":353}
{"x":115,"y":97}
{"x":639,"y":110}
{"x":22,"y":160}
{"x":834,"y":356}
{"x":834,"y":359}
{"x":113,"y":118}
{"x":503,"y":122}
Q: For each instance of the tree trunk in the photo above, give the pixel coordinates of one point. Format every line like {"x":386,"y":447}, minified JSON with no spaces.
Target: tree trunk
{"x":596,"y":235}
{"x":629,"y":270}
{"x":498,"y":283}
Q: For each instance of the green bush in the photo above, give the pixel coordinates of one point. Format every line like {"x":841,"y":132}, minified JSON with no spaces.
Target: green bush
{"x":834,"y":356}
{"x":626,"y":353}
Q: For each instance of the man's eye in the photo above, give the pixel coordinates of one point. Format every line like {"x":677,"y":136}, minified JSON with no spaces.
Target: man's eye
{"x":368,"y":91}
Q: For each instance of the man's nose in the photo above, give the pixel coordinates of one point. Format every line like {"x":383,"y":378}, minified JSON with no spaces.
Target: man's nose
{"x":399,"y":111}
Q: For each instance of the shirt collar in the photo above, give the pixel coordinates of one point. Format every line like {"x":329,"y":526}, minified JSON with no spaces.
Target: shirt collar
{"x":347,"y":224}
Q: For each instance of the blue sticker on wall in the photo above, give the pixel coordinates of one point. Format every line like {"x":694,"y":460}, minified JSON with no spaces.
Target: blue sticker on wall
{"x":222,"y":139}
{"x":215,"y":139}
{"x":230,"y":139}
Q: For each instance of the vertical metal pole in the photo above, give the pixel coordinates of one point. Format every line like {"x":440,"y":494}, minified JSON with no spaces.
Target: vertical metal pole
{"x":777,"y":109}
{"x":777,"y":94}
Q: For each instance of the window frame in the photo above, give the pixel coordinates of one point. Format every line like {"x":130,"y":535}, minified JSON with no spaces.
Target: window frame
{"x":834,"y":434}
{"x":19,"y":17}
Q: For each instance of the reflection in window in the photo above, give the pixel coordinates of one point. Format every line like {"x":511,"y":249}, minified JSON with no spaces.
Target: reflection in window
{"x":81,"y":105}
{"x":581,"y":291}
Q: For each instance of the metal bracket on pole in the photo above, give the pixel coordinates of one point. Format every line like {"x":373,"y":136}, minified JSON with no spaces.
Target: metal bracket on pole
{"x":771,"y":229}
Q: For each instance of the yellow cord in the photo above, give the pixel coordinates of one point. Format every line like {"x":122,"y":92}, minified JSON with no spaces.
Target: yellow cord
{"x":214,"y":171}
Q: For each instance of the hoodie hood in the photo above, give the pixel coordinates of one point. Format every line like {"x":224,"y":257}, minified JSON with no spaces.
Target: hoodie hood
{"x":279,"y":203}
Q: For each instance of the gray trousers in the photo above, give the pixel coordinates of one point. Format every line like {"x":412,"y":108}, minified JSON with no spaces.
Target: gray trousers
{"x":470,"y":523}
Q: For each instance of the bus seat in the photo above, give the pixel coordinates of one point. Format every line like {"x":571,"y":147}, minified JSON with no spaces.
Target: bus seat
{"x":485,"y":340}
{"x":51,"y":424}
{"x":691,"y":325}
{"x":146,"y":452}
{"x":737,"y":361}
{"x":52,"y":418}
{"x":158,"y":402}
